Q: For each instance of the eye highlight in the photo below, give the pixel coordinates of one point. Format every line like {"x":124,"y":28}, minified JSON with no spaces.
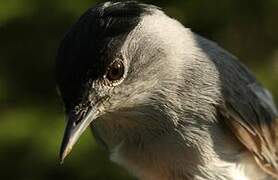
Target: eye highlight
{"x":115,"y":71}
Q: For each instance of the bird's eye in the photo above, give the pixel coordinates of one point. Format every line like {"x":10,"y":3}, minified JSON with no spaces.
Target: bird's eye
{"x":115,"y":71}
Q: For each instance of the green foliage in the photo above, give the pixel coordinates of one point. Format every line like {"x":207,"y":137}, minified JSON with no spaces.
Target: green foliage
{"x":31,"y":114}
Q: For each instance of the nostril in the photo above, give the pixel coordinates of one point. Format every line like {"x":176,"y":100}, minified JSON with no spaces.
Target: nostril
{"x":81,"y":115}
{"x":77,"y":121}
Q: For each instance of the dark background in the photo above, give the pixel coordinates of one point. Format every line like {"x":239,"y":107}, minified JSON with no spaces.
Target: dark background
{"x":31,"y":114}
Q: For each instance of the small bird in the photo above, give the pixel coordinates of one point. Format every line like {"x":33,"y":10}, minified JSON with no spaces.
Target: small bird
{"x":165,"y":102}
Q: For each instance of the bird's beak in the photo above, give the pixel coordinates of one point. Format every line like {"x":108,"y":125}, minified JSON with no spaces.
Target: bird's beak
{"x":74,"y":129}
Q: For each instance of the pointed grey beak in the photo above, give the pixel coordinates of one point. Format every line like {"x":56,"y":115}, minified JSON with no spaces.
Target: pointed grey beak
{"x":74,"y":130}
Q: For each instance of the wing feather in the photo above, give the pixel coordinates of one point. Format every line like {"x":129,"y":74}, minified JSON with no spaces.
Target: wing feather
{"x":257,"y":129}
{"x":246,"y":107}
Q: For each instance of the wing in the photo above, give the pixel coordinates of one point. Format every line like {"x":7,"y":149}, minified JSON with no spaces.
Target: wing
{"x":247,"y":108}
{"x":252,"y":119}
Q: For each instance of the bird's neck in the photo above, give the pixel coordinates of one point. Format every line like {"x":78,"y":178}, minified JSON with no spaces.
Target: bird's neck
{"x":151,"y":151}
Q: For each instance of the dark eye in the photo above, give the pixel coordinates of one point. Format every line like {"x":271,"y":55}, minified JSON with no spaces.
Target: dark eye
{"x":115,"y":71}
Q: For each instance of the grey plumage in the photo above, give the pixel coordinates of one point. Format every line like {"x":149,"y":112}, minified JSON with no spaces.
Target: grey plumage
{"x":183,"y":108}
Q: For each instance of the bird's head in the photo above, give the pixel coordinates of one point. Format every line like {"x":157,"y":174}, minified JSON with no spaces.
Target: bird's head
{"x":111,"y":59}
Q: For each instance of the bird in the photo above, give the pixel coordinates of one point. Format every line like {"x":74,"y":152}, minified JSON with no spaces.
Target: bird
{"x":165,"y":102}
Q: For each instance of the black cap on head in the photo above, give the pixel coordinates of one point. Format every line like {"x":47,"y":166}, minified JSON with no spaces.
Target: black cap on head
{"x":96,"y":36}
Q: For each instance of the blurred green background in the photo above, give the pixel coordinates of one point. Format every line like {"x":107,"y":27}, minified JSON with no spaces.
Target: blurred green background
{"x":31,"y":114}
